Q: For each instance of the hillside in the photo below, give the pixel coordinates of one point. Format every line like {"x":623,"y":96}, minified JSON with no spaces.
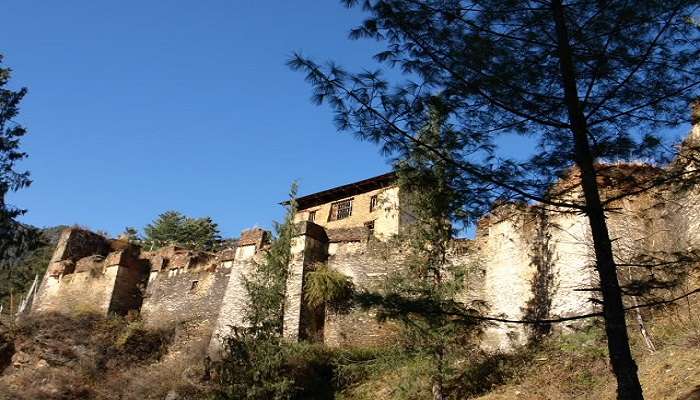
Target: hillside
{"x":570,"y":366}
{"x":18,"y":272}
{"x":89,"y":357}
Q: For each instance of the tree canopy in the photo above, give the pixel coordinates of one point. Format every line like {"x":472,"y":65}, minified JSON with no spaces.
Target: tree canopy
{"x":174,"y":228}
{"x":12,"y":234}
{"x":587,"y":81}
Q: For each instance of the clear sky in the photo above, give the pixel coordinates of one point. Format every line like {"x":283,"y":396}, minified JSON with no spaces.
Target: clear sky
{"x":138,"y":107}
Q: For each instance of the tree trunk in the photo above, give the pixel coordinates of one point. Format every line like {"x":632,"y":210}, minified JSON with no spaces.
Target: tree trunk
{"x":623,"y":365}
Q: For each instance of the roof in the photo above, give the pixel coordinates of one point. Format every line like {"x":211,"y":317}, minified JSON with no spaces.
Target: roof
{"x":344,"y":191}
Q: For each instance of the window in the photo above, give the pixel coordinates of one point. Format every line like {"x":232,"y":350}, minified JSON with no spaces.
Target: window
{"x":340,"y":210}
{"x":312,"y":216}
{"x":194,"y":286}
{"x":370,"y":227}
{"x":373,"y":203}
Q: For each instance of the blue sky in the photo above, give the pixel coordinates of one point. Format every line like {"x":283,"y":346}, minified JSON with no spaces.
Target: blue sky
{"x":136,"y":107}
{"x":139,"y":107}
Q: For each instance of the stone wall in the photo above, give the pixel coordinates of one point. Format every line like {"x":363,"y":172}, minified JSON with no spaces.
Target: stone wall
{"x":309,"y":247}
{"x":89,"y":273}
{"x":504,"y":252}
{"x":366,"y":263}
{"x":187,"y":289}
{"x":235,"y":300}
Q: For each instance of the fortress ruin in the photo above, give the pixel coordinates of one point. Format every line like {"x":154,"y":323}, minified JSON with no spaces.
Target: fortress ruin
{"x":520,"y":253}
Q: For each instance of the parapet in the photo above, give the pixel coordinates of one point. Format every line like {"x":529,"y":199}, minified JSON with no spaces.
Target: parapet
{"x":254,"y":236}
{"x":76,"y":243}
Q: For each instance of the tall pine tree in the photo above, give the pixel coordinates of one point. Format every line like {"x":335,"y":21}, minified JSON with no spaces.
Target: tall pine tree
{"x":586,"y":80}
{"x":13,"y":236}
{"x":421,"y":294}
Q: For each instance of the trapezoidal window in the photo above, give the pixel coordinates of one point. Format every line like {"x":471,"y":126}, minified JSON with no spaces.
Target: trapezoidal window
{"x":340,"y":210}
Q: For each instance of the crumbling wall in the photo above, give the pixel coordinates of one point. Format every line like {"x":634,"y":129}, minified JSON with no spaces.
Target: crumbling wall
{"x":76,"y":243}
{"x":78,"y":292}
{"x":504,"y":246}
{"x":185,"y":286}
{"x":367,"y":263}
{"x":234,"y":302}
{"x":89,"y":273}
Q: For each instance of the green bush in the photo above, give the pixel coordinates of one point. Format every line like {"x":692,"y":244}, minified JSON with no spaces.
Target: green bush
{"x":260,"y":367}
{"x":325,"y":286}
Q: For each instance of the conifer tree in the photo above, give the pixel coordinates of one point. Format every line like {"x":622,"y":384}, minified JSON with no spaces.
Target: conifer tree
{"x":266,"y":285}
{"x":174,"y":228}
{"x":13,"y":236}
{"x":586,"y":80}
{"x":421,"y":292}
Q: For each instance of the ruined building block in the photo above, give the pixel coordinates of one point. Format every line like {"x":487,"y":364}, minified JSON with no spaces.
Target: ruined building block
{"x":235,"y":300}
{"x":309,"y":246}
{"x":524,"y":259}
{"x":76,"y":243}
{"x":184,"y":287}
{"x":84,"y":276}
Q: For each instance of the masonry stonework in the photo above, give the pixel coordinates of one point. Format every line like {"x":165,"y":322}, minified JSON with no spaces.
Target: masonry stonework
{"x":516,"y":250}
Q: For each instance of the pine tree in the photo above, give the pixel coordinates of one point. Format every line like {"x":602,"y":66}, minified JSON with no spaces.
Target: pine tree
{"x":174,"y":228}
{"x":13,"y":236}
{"x":266,"y":285}
{"x":587,"y":80}
{"x":423,"y":290}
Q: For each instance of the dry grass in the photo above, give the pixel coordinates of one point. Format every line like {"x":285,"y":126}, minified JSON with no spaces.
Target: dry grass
{"x":671,"y":372}
{"x":571,"y":366}
{"x":89,"y":357}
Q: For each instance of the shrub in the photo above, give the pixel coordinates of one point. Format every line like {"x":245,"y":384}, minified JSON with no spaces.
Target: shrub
{"x":325,"y":286}
{"x":7,"y":347}
{"x":261,"y":367}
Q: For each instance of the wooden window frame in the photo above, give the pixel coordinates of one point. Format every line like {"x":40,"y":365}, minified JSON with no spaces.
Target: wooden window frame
{"x":373,"y":203}
{"x":312,"y":216}
{"x":337,"y":213}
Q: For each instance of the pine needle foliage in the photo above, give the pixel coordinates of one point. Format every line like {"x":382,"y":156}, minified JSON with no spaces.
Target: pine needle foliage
{"x":175,"y":228}
{"x":575,"y":83}
{"x":13,"y":236}
{"x":429,"y":279}
{"x":327,"y":287}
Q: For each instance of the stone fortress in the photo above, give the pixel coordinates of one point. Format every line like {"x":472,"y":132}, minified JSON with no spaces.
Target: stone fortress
{"x":519,"y":255}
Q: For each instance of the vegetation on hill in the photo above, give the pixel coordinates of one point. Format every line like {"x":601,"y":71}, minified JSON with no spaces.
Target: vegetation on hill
{"x":17,"y":272}
{"x":86,"y":356}
{"x":90,"y":357}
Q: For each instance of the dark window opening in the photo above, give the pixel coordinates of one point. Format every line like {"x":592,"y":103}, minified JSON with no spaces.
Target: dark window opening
{"x":370,"y":227}
{"x":341,"y":210}
{"x":194,"y":286}
{"x":312,"y":216}
{"x":373,"y":203}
